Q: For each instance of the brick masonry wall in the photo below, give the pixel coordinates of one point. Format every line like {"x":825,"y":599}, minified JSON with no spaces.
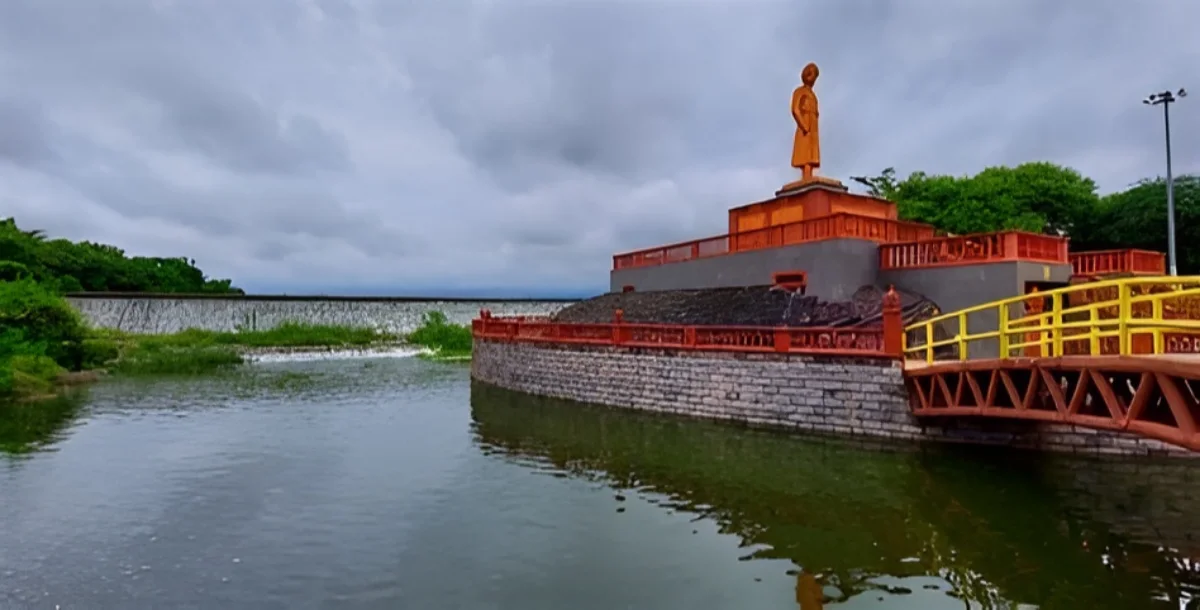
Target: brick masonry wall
{"x":841,"y":396}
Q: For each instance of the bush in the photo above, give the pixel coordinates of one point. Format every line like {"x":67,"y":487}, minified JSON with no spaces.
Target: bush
{"x":33,"y":374}
{"x":446,"y":340}
{"x":11,"y":271}
{"x":99,"y":352}
{"x":288,"y":334}
{"x":43,"y":319}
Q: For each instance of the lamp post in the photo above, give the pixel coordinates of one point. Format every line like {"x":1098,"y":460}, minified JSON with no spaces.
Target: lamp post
{"x":1166,"y":98}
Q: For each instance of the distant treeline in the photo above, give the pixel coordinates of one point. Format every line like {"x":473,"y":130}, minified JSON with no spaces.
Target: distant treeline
{"x":1048,"y":198}
{"x":66,"y":266}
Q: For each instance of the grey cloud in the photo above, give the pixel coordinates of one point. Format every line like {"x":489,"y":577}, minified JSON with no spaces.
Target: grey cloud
{"x":24,"y":133}
{"x":306,"y":144}
{"x":230,"y":128}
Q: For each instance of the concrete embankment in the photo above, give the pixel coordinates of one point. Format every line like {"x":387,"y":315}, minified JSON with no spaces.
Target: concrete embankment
{"x":860,"y":397}
{"x":174,"y":313}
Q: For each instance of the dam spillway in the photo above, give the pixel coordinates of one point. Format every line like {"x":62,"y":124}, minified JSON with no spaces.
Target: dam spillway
{"x":159,"y":314}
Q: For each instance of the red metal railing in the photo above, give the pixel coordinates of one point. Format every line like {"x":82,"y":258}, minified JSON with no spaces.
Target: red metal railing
{"x":1149,"y":397}
{"x":828,"y":341}
{"x":1103,"y":262}
{"x":972,"y":249}
{"x":835,"y":226}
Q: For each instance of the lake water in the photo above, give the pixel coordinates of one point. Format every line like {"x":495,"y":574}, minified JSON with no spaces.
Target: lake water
{"x":393,"y":483}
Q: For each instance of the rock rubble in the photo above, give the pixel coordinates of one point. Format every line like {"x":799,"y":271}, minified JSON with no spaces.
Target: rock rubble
{"x":748,"y":306}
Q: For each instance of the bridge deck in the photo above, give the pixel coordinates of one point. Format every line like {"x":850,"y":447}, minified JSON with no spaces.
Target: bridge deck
{"x":1154,"y":396}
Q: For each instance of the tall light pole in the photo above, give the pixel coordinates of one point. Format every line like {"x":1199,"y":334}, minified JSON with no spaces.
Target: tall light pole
{"x":1166,"y":98}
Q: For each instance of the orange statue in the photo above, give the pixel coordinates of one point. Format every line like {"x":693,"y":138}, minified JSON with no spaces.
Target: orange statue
{"x":806,"y":150}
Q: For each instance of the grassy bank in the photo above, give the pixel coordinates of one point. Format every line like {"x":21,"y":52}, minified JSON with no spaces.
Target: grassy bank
{"x":44,"y":339}
{"x":200,"y":351}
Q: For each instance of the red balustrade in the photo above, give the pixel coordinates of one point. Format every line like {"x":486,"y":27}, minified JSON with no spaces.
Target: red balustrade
{"x":1104,"y":262}
{"x":827,"y":341}
{"x":835,"y":226}
{"x":973,"y":249}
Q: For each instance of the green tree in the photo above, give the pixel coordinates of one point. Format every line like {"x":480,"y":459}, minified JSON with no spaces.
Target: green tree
{"x":67,"y":266}
{"x":11,"y":271}
{"x":1039,"y":197}
{"x":884,"y":185}
{"x":1137,"y":218}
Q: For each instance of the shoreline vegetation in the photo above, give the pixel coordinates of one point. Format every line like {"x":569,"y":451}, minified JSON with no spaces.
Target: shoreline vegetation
{"x":45,"y":346}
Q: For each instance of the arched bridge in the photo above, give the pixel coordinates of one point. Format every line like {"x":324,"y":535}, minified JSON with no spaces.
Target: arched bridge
{"x":1119,"y":354}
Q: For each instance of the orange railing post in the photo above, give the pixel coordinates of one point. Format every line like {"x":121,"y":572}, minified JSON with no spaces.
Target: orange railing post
{"x":618,"y":318}
{"x":783,"y":340}
{"x":893,"y":324}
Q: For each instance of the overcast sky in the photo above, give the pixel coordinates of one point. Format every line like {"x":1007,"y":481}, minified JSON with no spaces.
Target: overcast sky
{"x":402,"y":147}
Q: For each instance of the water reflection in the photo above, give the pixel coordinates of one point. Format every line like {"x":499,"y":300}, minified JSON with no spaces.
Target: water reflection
{"x":26,"y":427}
{"x":358,"y":484}
{"x":956,"y":528}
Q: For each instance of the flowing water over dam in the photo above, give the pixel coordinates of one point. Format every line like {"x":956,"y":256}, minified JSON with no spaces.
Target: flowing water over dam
{"x":393,"y":482}
{"x":158,"y":314}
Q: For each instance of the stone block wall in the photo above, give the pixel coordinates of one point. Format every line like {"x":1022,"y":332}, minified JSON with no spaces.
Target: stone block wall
{"x":862,"y":397}
{"x":836,"y":396}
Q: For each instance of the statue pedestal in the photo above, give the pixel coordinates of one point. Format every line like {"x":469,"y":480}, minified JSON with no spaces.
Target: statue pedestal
{"x":808,"y":199}
{"x":808,"y":184}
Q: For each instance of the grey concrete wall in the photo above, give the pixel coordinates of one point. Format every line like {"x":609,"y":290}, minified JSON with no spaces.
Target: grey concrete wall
{"x":962,"y":286}
{"x":835,"y":268}
{"x":169,"y":315}
{"x":838,"y":396}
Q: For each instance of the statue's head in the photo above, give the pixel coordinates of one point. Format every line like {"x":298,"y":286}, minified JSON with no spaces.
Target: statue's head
{"x":810,"y":74}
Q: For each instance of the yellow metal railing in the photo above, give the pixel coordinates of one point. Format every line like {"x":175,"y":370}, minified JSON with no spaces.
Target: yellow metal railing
{"x":1129,"y":316}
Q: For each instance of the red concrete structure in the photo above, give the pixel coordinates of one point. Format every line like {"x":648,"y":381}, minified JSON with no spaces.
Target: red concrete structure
{"x":1154,"y":398}
{"x":840,"y":225}
{"x":1063,"y":354}
{"x":823,"y":212}
{"x":805,"y":205}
